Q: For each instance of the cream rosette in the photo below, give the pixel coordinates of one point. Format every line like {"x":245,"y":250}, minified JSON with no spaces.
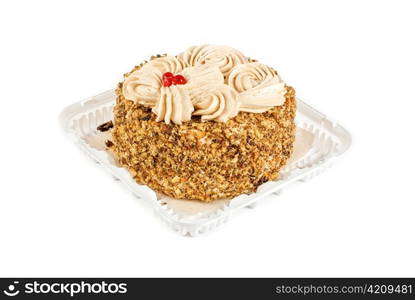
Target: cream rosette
{"x":217,"y":102}
{"x":259,"y":87}
{"x":143,"y":86}
{"x":222,"y":56}
{"x":247,"y":76}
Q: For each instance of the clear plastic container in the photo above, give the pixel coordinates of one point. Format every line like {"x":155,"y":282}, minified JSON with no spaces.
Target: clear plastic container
{"x":319,"y":143}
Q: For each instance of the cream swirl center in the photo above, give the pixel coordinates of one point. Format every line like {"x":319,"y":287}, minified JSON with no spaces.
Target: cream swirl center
{"x":143,"y":86}
{"x":215,"y":102}
{"x":247,"y":76}
{"x":259,"y":87}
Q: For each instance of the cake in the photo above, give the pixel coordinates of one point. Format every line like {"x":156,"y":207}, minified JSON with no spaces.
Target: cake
{"x":209,"y":123}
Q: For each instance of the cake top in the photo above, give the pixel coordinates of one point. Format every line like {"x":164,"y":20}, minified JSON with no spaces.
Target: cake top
{"x":214,"y":82}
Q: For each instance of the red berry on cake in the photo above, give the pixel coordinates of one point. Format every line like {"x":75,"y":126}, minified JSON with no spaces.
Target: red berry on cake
{"x":179,"y":79}
{"x":167,"y":81}
{"x":168,"y":75}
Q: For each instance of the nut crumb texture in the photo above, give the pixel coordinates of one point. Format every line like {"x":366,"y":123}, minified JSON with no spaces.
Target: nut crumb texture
{"x":201,"y":160}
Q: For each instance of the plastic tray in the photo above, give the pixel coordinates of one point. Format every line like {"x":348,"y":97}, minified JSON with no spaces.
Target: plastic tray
{"x":319,"y":143}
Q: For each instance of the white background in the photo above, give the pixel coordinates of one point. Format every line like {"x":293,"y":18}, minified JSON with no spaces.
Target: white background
{"x":60,"y":215}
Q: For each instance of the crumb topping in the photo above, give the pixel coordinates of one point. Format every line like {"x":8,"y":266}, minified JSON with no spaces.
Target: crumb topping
{"x":203,"y":160}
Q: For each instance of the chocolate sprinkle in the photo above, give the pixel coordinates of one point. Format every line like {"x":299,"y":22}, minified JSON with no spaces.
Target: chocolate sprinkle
{"x":105,"y":127}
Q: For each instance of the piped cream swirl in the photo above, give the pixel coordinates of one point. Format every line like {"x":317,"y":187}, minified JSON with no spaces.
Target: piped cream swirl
{"x":215,"y":102}
{"x":143,"y":86}
{"x":220,"y":82}
{"x":166,"y":64}
{"x":247,"y":76}
{"x":259,"y":86}
{"x":202,"y":75}
{"x":222,"y":56}
{"x":174,"y":105}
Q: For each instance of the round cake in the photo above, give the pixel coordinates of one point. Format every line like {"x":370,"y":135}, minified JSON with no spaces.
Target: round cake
{"x":206,"y":124}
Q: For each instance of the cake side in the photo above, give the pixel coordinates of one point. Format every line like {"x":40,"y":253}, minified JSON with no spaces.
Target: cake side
{"x":203,"y":160}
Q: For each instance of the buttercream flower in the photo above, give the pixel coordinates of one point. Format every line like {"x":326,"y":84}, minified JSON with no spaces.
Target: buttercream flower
{"x":215,"y":102}
{"x":143,"y":86}
{"x":170,"y":103}
{"x":259,"y":87}
{"x":214,"y":82}
{"x":222,"y":56}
